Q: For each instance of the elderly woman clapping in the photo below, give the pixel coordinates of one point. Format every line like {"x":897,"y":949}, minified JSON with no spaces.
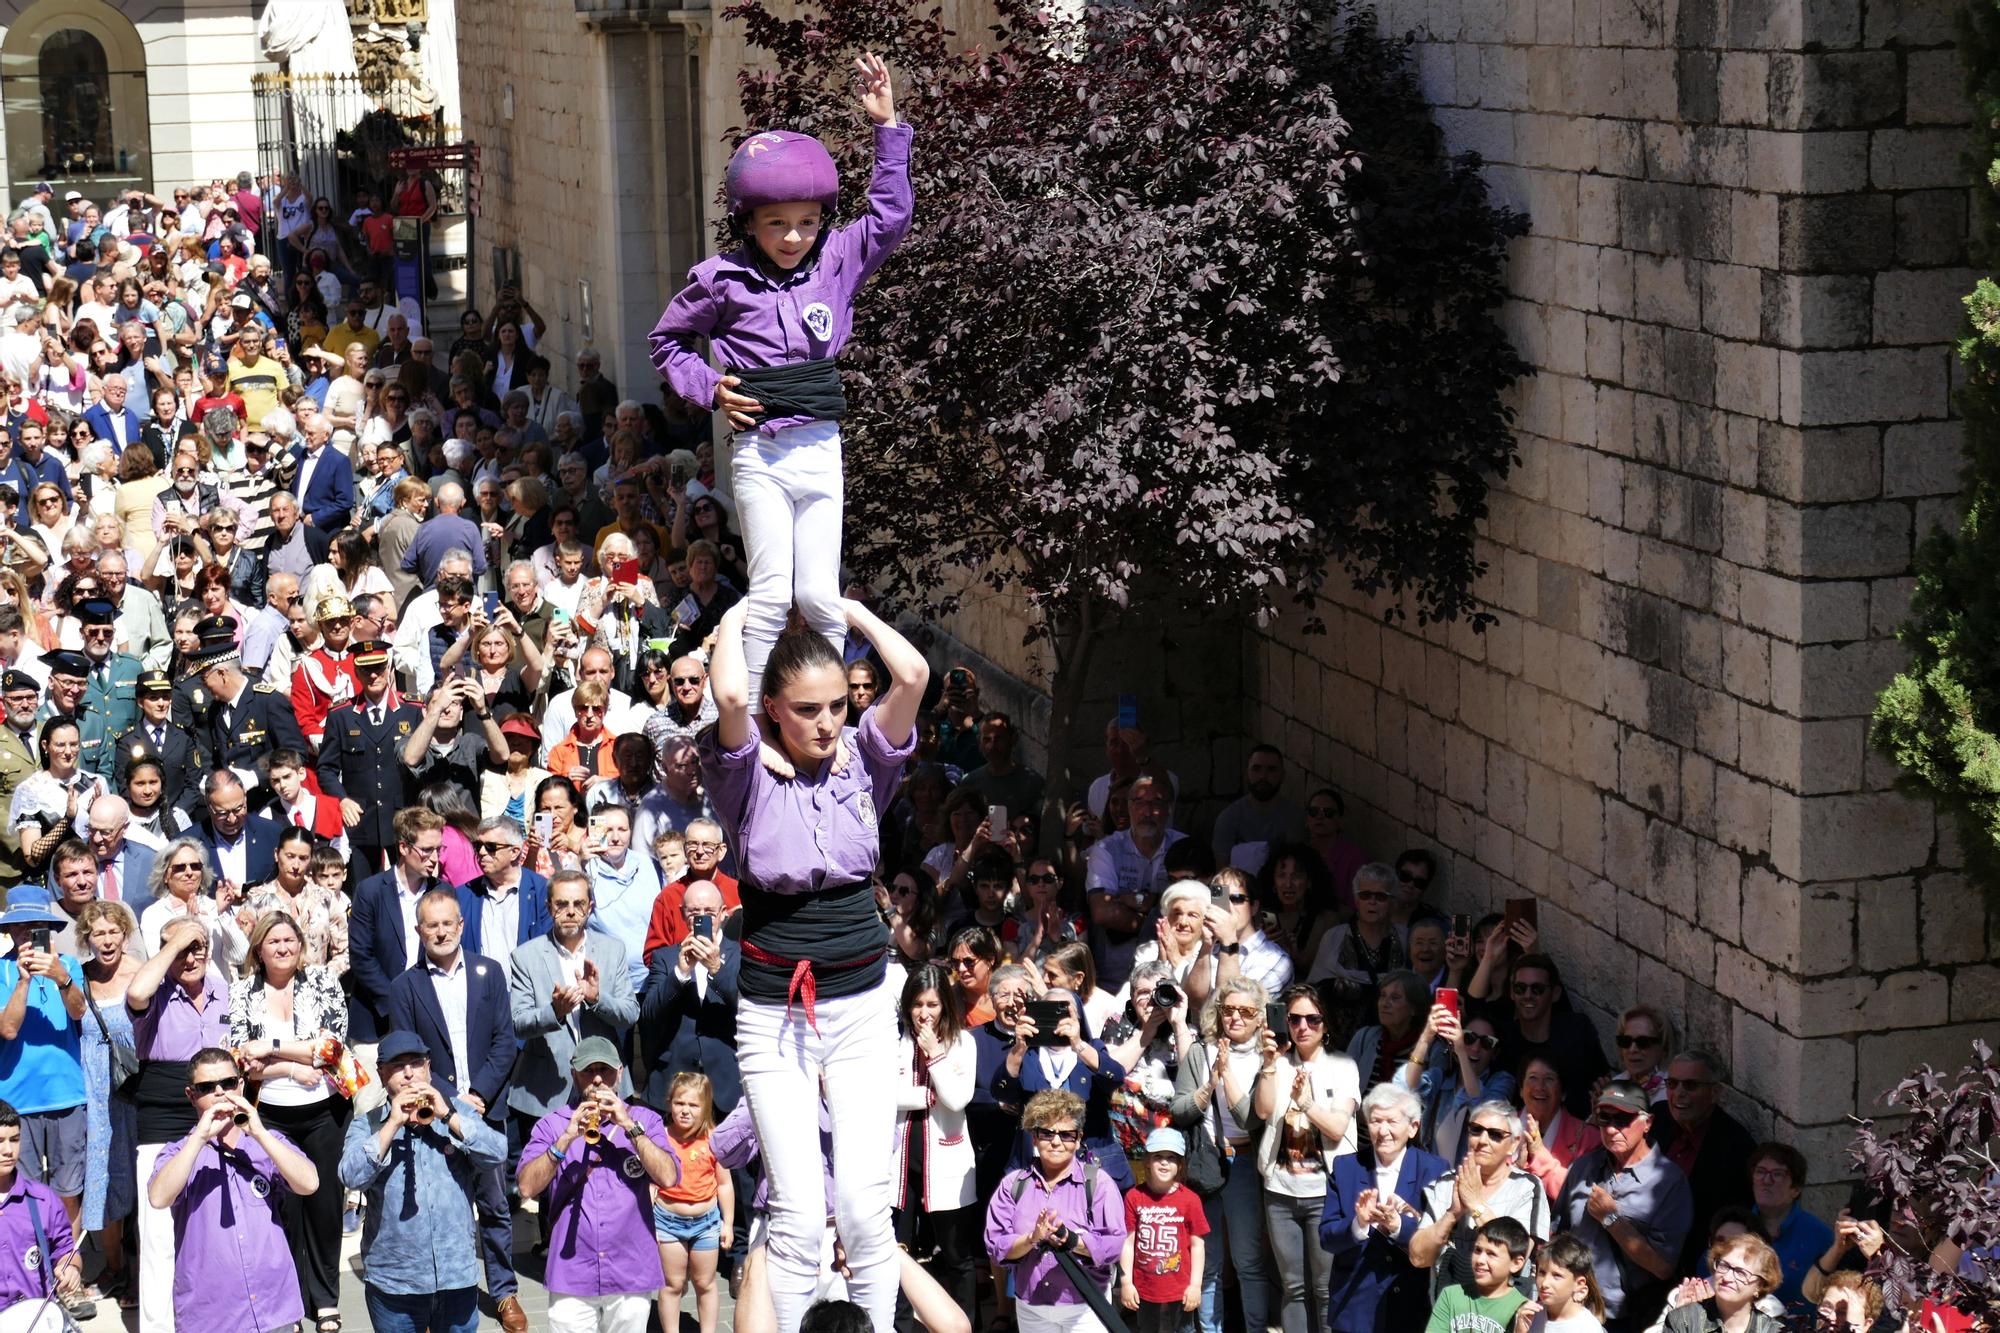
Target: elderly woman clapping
{"x":1368,"y":1230}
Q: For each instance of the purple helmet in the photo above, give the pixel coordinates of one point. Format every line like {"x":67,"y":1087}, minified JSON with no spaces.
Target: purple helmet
{"x":779,"y":167}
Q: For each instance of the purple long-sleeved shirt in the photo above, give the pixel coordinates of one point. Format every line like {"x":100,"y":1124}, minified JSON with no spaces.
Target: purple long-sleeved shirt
{"x":1038,"y":1278}
{"x":807,"y":315}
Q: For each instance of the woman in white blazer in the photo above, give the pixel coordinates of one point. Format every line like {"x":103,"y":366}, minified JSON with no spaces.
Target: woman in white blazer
{"x":934,"y":1155}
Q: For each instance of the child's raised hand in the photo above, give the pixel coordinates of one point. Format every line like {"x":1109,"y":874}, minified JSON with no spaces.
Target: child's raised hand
{"x":878,"y":98}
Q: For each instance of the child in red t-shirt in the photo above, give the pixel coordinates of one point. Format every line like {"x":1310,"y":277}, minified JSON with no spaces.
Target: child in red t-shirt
{"x":1164,"y":1224}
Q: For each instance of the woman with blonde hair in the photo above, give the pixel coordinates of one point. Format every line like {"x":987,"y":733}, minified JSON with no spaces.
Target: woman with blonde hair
{"x":1744,"y":1269}
{"x":279,"y":1010}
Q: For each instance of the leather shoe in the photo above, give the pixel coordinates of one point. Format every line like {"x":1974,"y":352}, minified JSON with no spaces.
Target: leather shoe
{"x":512,"y":1317}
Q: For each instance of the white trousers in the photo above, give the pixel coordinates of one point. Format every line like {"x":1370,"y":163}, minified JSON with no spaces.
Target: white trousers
{"x":1076,"y":1318}
{"x":784,"y":1063}
{"x":156,"y":1252}
{"x":599,"y":1314}
{"x":789,"y":490}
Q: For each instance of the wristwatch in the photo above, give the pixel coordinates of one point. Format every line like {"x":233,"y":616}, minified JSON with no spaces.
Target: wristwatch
{"x":1610,"y":1221}
{"x":1229,"y":948}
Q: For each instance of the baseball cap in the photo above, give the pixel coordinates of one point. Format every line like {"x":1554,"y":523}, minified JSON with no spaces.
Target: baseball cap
{"x":594,"y":1051}
{"x":400,"y":1046}
{"x":1625,"y":1095}
{"x":72,"y":195}
{"x":1167,"y":1139}
{"x":241,"y":301}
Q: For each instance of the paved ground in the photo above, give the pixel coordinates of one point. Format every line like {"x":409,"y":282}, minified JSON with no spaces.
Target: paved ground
{"x":354,"y":1314}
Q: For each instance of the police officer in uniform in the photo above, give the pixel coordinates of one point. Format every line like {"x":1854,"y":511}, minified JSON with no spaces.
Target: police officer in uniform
{"x":158,"y":737}
{"x":360,"y":757}
{"x":22,"y":696}
{"x":110,"y":686}
{"x":245,"y":722}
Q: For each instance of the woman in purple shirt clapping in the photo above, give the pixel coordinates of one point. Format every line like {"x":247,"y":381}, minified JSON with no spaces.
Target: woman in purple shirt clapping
{"x":814,"y":1010}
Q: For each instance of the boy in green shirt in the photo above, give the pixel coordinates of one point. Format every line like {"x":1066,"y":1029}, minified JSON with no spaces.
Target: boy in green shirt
{"x":1488,"y":1301}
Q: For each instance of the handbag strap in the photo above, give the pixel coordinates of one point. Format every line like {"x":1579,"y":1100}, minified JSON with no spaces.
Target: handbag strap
{"x":41,"y":1246}
{"x":95,"y":1013}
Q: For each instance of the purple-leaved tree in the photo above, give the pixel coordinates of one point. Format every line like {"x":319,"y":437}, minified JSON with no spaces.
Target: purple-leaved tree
{"x":1196,"y":307}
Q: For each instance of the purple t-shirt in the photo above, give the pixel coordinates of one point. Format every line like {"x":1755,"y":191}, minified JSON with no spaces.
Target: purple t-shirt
{"x":232,"y":1265}
{"x":601,"y":1236}
{"x":812,"y":832}
{"x":26,"y":1273}
{"x":171,"y":1028}
{"x":751,"y":320}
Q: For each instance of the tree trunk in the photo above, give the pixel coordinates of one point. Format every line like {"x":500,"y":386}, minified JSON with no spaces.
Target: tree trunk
{"x":1074,"y":640}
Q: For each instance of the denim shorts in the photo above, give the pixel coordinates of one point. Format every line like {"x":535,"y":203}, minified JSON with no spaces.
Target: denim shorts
{"x":702,"y":1232}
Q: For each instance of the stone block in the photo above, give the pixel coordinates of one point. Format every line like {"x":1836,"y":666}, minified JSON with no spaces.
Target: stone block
{"x":1815,"y":310}
{"x":1746,"y":664}
{"x":1742,"y":818}
{"x":1649,"y":774}
{"x":1642,"y":924}
{"x":1672,"y":863}
{"x":1743,"y":88}
{"x":1853,"y":540}
{"x":1884,"y":384}
{"x":1748,"y":377}
{"x":1697,"y":799}
{"x":1830,"y":755}
{"x":1954,"y":920}
{"x":1717,"y":900}
{"x":1886,"y":924}
{"x":1583,"y":826}
{"x":1833,"y":89}
{"x":1800,"y":1079}
{"x":1753,"y":228}
{"x":1732,"y":305}
{"x":1922,"y":306}
{"x":1917,"y":159}
{"x":1833,"y":233}
{"x":1807,"y":929}
{"x":1975,"y":994}
{"x":1819,"y":162}
{"x":1626,"y":849}
{"x":1660,"y":217}
{"x":1911,"y":22}
{"x":1924,"y":459}
{"x":1934,"y":89}
{"x":1666,"y":290}
{"x":1932,"y":226}
{"x":1869,"y":835}
{"x":1819,"y":466}
{"x":1842,"y":680}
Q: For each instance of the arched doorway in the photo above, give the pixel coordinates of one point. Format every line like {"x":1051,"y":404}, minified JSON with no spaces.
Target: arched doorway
{"x":73,"y":80}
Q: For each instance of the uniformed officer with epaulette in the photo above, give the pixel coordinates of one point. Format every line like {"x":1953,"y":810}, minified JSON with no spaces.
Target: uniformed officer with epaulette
{"x":64,"y":698}
{"x":21,"y":696}
{"x":245,"y":722}
{"x":360,"y":763}
{"x":110,"y":686}
{"x":160,"y":738}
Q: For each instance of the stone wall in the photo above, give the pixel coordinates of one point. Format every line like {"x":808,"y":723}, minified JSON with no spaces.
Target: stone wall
{"x":1748,"y":242}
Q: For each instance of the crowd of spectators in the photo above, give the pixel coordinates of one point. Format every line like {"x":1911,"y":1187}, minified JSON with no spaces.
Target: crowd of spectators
{"x":355,"y":825}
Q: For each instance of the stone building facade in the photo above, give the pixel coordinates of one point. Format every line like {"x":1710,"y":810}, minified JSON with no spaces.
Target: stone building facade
{"x":1749,"y":236}
{"x":1748,"y":244}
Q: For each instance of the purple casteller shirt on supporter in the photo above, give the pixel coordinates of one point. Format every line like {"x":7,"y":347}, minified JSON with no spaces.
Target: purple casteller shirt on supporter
{"x":601,"y":1231}
{"x":734,"y":1143}
{"x":232,"y":1265}
{"x":20,"y":1279}
{"x":751,"y":320}
{"x":171,"y":1028}
{"x":816,"y":831}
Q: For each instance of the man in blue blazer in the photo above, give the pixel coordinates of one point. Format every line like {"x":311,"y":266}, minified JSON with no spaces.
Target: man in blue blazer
{"x":130,"y":863}
{"x":113,"y":419}
{"x":322,"y":479}
{"x":504,"y":888}
{"x":382,"y":927}
{"x":688,"y":1012}
{"x":1367,"y":1229}
{"x":457,"y":1003}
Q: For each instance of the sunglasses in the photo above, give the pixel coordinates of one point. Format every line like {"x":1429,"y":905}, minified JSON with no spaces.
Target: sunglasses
{"x":1305,"y":1020}
{"x":1043,"y":879}
{"x":964,"y":964}
{"x":185,"y":868}
{"x":1531,"y":988}
{"x":1239,"y":897}
{"x":209,"y":1085}
{"x":493,"y":848}
{"x":1610,"y":1119}
{"x":1322,"y":812}
{"x":1372,"y":896}
{"x":1496,"y":1133}
{"x":683,"y":680}
{"x":1628,"y":1041}
{"x":1485,"y":1041}
{"x":1676,"y":1084}
{"x":1238,"y":1011}
{"x":1420,"y":882}
{"x":1056,"y":1136}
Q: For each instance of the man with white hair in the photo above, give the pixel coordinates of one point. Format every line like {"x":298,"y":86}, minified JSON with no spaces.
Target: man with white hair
{"x":142,"y":626}
{"x":420,"y":617}
{"x":445,"y":531}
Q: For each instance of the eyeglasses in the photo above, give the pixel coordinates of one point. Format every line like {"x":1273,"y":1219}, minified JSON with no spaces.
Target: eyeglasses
{"x":1734,"y":1272}
{"x":1485,"y":1041}
{"x":683,"y":680}
{"x":1531,"y":988}
{"x":1239,"y":898}
{"x":1056,"y":1135}
{"x":184,"y":868}
{"x":589,"y":710}
{"x":1771,"y":1175}
{"x":1043,"y":879}
{"x":1635,"y":1041}
{"x":1496,"y":1133}
{"x":1610,"y":1119}
{"x":1237,"y":1011}
{"x":493,"y":848}
{"x":1305,"y":1020}
{"x":693,"y":846}
{"x":1372,"y":896}
{"x":1419,"y":883}
{"x":964,"y":964}
{"x":1321,"y":812}
{"x":1676,"y":1084}
{"x":209,"y":1085}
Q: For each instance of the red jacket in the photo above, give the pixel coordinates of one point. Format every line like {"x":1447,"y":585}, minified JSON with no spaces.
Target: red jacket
{"x":668,"y":926}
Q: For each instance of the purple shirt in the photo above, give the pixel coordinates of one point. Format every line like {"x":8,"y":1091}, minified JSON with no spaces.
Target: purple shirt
{"x":232,"y":1264}
{"x":813,"y":832}
{"x":735,"y":1145}
{"x":1038,"y":1278}
{"x":171,"y":1028}
{"x":601,"y":1234}
{"x":750,"y":320}
{"x":23,"y":1269}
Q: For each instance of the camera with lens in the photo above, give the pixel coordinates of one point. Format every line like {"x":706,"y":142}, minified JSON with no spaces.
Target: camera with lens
{"x":1166,"y":995}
